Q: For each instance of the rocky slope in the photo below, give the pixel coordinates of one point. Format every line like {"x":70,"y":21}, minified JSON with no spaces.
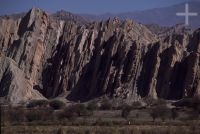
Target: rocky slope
{"x":42,"y":57}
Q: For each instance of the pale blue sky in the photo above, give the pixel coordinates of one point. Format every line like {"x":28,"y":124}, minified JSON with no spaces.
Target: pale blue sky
{"x":84,"y":6}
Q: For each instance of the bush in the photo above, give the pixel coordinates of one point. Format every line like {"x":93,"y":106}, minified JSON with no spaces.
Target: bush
{"x":149,"y":101}
{"x":39,"y":114}
{"x":126,"y":111}
{"x":137,"y":115}
{"x":16,"y":114}
{"x":37,"y":103}
{"x":92,"y":106}
{"x":34,"y":116}
{"x":106,"y":104}
{"x":154,"y":102}
{"x":160,"y":111}
{"x":68,"y":113}
{"x":193,"y":115}
{"x":73,"y":111}
{"x":196,"y":103}
{"x":136,"y":105}
{"x":174,"y":113}
{"x":154,"y":114}
{"x":188,"y":102}
{"x":81,"y":110}
{"x":197,"y":108}
{"x":57,"y":104}
{"x":60,"y":131}
{"x":100,"y":122}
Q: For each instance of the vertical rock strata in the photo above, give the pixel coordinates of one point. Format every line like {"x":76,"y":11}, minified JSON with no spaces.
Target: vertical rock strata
{"x":44,"y":57}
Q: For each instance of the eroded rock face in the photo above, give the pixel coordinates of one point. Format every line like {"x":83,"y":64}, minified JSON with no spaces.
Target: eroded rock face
{"x":14,"y":85}
{"x":119,"y":58}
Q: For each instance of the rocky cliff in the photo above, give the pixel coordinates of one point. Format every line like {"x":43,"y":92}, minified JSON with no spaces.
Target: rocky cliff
{"x":43,"y":57}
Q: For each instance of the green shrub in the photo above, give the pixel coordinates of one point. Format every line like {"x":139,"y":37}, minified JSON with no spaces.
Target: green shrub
{"x":34,"y":115}
{"x":174,"y":113}
{"x":92,"y":106}
{"x":56,"y":104}
{"x":161,"y":102}
{"x":73,"y":111}
{"x":39,"y":114}
{"x":137,"y":115}
{"x":150,"y":101}
{"x":106,"y":104}
{"x":37,"y":103}
{"x":196,"y":103}
{"x":154,"y":114}
{"x":193,"y":115}
{"x":100,"y":122}
{"x":81,"y":110}
{"x":87,"y":131}
{"x":68,"y":113}
{"x":160,"y":111}
{"x":126,"y":111}
{"x":60,"y":131}
{"x":16,"y":114}
{"x":136,"y":105}
{"x":198,"y":109}
{"x":188,"y":102}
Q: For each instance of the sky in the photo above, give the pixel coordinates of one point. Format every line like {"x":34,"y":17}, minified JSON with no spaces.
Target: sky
{"x":84,"y":6}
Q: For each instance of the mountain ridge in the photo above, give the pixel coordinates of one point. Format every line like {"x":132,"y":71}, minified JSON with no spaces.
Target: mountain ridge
{"x":159,"y":16}
{"x":120,"y":59}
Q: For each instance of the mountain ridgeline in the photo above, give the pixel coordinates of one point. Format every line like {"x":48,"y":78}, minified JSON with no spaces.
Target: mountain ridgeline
{"x":42,"y":57}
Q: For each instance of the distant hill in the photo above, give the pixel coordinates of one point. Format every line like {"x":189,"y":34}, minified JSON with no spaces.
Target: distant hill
{"x":13,"y":16}
{"x":161,"y":16}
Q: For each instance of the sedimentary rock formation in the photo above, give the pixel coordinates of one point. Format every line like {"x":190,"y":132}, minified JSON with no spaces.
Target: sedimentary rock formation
{"x":45,"y":57}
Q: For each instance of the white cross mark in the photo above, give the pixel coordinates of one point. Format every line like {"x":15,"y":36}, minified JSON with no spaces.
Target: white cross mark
{"x":186,"y":14}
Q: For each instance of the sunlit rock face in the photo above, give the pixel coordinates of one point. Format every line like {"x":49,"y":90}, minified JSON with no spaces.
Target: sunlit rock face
{"x":43,"y":57}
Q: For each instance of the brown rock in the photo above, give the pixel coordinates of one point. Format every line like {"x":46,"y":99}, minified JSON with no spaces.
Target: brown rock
{"x":122,"y":59}
{"x":15,"y":88}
